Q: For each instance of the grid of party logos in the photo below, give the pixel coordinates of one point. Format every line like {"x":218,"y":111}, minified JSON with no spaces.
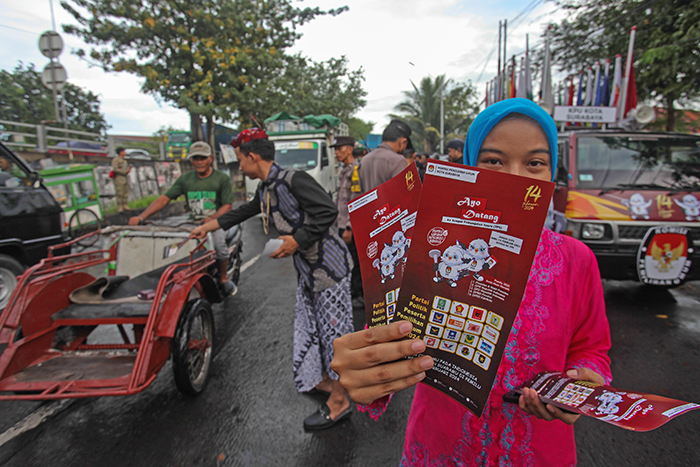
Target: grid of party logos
{"x":469,"y":331}
{"x":574,"y":394}
{"x":391,"y":297}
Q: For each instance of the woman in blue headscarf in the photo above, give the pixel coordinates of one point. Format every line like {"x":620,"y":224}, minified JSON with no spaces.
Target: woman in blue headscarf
{"x":561,"y":326}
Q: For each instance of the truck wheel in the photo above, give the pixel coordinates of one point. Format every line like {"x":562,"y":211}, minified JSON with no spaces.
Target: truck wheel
{"x":9,"y":270}
{"x":193,"y":347}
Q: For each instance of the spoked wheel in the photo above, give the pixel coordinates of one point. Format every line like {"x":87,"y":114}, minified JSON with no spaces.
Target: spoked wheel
{"x":233,"y":270}
{"x":193,"y":347}
{"x":82,"y":222}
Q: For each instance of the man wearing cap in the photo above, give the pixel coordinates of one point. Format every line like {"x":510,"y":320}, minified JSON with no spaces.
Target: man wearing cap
{"x":348,"y":189}
{"x":387,"y":160}
{"x":208,"y":194}
{"x":455,"y":150}
{"x":121,"y":169}
{"x":304,"y":215}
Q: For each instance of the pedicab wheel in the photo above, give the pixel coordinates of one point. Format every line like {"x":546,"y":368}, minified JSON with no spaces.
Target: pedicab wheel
{"x":233,"y":271}
{"x":193,"y":347}
{"x":82,"y":222}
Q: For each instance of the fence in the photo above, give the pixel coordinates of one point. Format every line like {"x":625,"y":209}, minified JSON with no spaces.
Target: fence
{"x":47,"y":139}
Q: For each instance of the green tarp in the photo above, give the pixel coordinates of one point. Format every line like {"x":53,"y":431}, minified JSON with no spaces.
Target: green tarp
{"x":281,"y":116}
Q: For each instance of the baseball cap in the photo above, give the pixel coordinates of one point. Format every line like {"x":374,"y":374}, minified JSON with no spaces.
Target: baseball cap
{"x":456,"y":143}
{"x":199,"y":148}
{"x":343,"y":141}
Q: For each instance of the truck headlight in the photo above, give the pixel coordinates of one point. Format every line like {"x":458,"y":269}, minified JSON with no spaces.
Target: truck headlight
{"x":593,"y":231}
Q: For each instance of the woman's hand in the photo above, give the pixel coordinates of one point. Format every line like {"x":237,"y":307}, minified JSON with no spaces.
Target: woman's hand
{"x":530,"y":402}
{"x":370,"y":363}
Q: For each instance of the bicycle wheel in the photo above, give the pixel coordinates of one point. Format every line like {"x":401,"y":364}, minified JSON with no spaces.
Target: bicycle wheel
{"x":82,"y":222}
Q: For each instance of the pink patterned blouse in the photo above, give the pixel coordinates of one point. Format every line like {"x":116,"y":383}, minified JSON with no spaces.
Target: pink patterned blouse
{"x":561,"y":324}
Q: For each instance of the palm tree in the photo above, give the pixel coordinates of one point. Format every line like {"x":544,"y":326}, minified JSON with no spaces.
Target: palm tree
{"x":421,"y":110}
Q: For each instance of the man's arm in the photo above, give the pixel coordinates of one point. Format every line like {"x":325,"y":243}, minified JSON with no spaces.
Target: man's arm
{"x":117,"y":170}
{"x":222,"y":210}
{"x":157,"y":204}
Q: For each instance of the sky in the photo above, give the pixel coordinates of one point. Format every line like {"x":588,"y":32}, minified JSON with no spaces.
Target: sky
{"x":393,"y":41}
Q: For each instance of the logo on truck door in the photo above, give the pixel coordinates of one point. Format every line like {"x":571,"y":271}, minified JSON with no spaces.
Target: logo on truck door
{"x":664,"y":256}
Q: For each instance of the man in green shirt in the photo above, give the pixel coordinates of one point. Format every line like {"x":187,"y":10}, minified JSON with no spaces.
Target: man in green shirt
{"x":208,"y":194}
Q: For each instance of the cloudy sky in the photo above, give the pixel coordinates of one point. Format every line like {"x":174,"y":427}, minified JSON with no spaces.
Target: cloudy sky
{"x":394,"y":41}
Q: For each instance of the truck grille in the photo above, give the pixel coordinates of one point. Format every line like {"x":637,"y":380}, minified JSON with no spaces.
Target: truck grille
{"x":637,"y":232}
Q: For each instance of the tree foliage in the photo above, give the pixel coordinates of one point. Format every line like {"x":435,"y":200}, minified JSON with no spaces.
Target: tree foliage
{"x":358,"y":128}
{"x":312,"y":88}
{"x":215,"y":58}
{"x":421,"y":109}
{"x":667,"y":45}
{"x":25,"y":99}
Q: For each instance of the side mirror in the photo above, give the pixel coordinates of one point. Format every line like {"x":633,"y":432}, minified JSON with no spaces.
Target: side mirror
{"x":35,"y":179}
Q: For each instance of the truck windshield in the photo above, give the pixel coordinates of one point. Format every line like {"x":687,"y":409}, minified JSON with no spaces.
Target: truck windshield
{"x":638,"y":161}
{"x":178,"y":138}
{"x":296,"y":155}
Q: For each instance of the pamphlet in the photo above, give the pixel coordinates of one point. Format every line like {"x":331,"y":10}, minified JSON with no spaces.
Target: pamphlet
{"x":382,"y":224}
{"x":630,"y":410}
{"x":472,"y":248}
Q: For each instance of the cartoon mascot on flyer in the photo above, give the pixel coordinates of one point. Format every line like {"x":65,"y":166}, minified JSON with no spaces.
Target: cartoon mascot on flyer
{"x":400,"y":241}
{"x":607,"y":403}
{"x":481,"y":260}
{"x":387,"y":262}
{"x":452,"y":264}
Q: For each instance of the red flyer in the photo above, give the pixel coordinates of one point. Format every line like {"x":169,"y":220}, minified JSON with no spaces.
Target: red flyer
{"x":382,"y":223}
{"x":472,"y":248}
{"x":631,"y":410}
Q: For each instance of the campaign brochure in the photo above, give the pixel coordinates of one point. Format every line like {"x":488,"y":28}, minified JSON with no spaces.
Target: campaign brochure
{"x":472,"y":248}
{"x":382,"y":225}
{"x":631,"y":410}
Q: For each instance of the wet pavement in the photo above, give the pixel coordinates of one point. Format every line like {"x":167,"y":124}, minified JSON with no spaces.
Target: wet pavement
{"x":251,"y":415}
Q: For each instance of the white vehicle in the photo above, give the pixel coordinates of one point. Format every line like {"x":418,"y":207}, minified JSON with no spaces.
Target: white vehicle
{"x":305,"y":149}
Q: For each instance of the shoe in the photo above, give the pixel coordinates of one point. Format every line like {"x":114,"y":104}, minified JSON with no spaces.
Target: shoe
{"x":321,"y":419}
{"x":228,"y":289}
{"x":358,"y":302}
{"x":315,"y":391}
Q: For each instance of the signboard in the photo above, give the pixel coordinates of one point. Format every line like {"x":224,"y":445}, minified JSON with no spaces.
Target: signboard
{"x":589,"y":114}
{"x":50,"y":44}
{"x":54,"y":74}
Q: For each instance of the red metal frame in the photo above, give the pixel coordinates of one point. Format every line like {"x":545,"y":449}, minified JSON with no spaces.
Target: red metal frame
{"x":152,"y":352}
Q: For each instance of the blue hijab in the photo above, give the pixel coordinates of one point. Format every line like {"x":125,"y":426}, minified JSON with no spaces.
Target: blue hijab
{"x":486,"y":120}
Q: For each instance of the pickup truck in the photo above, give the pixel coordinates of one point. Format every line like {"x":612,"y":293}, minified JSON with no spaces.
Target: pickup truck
{"x":634,"y":198}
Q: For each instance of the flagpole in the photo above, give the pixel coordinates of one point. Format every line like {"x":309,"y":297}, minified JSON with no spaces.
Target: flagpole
{"x":505,"y":56}
{"x":628,"y":67}
{"x":498,"y":89}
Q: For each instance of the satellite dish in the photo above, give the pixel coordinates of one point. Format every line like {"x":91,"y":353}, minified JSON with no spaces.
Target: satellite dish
{"x":644,"y":114}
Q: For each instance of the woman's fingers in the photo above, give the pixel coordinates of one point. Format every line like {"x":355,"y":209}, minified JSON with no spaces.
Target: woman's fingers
{"x":371,"y":363}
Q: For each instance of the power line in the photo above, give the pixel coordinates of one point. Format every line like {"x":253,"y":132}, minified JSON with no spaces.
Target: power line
{"x":18,"y":29}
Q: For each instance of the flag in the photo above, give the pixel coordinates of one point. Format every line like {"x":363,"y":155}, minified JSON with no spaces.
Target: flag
{"x":616,"y":82}
{"x":579,"y":96}
{"x":631,"y":91}
{"x":522,"y":87}
{"x":528,"y":77}
{"x":589,"y":87}
{"x":596,"y":85}
{"x":570,"y":101}
{"x":546,"y":97}
{"x":506,"y":83}
{"x":605,"y":94}
{"x":513,"y":87}
{"x":486,"y":98}
{"x":628,"y":96}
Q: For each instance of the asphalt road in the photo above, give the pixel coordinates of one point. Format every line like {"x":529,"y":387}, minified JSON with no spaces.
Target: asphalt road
{"x":251,"y":415}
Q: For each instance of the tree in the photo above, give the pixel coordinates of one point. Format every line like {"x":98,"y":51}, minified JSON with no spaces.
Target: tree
{"x":25,"y":99}
{"x":312,"y":88}
{"x":667,"y":45}
{"x":359,"y":129}
{"x":214,"y":58}
{"x":421,"y":109}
